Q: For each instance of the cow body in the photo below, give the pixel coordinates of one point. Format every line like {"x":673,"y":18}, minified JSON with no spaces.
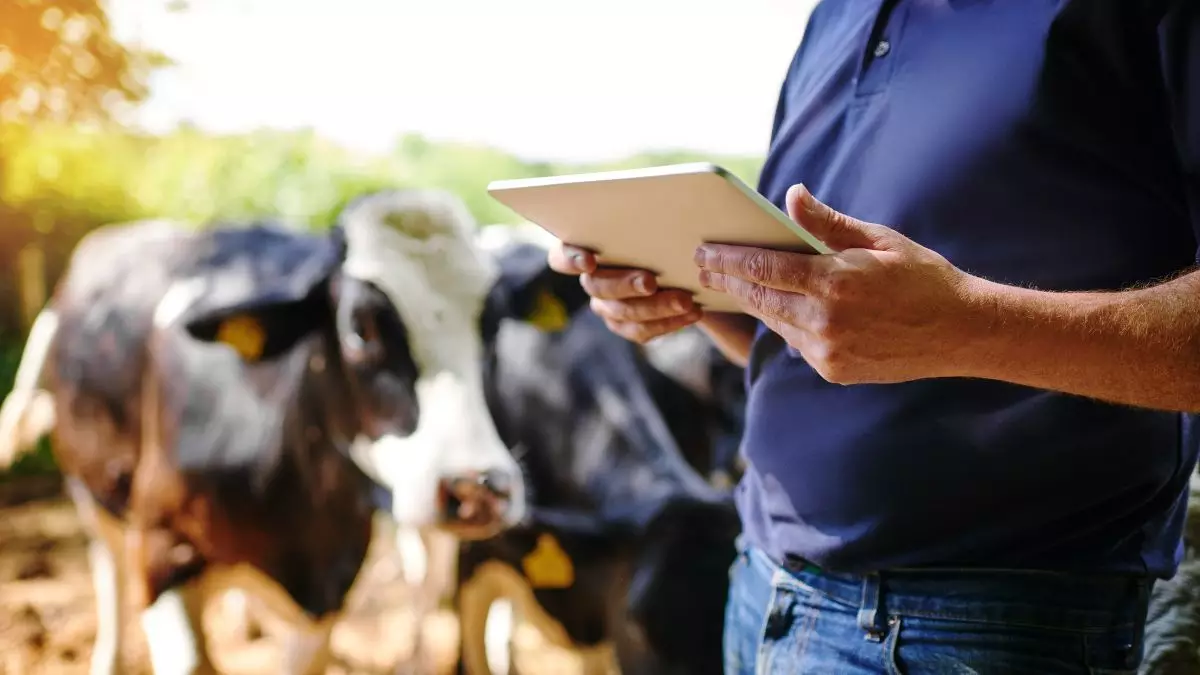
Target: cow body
{"x":702,"y":397}
{"x":1172,"y":640}
{"x":208,"y":391}
{"x":627,"y":550}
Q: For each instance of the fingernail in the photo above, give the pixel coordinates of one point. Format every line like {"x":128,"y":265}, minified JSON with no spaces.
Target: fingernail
{"x":577,"y":261}
{"x":677,"y":305}
{"x":639,"y":284}
{"x":701,"y":256}
{"x":704,"y":279}
{"x":806,"y":197}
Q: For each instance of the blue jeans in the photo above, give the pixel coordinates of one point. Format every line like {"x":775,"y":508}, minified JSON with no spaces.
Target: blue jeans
{"x":981,"y":622}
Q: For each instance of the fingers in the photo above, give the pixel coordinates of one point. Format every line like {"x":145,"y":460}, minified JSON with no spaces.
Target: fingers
{"x":618,"y":284}
{"x":791,"y":272}
{"x":837,"y":230}
{"x":567,"y":259}
{"x":768,"y":304}
{"x":628,"y":300}
{"x":663,"y":305}
{"x":643,"y":332}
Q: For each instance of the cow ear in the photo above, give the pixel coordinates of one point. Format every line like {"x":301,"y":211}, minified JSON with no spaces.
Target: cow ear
{"x":264,"y":331}
{"x":528,"y":290}
{"x":258,"y":289}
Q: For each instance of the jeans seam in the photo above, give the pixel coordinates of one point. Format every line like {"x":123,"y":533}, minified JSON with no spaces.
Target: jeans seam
{"x":806,"y":630}
{"x":891,"y":644}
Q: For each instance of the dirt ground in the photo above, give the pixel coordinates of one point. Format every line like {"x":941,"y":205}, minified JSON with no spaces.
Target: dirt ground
{"x":47,"y":615}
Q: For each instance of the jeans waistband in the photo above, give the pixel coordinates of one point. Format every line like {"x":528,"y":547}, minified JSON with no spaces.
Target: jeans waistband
{"x":1037,"y":599}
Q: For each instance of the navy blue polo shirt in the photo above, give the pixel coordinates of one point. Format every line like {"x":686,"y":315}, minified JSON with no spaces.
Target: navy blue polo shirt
{"x":1049,"y":144}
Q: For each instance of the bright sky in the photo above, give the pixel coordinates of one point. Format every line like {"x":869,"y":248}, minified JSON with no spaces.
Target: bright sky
{"x":554,"y":80}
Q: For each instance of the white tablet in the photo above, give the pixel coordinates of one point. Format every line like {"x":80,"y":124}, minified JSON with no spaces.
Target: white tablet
{"x":655,"y":218}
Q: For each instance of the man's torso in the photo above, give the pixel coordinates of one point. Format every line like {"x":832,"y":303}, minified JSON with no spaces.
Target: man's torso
{"x":1030,"y":142}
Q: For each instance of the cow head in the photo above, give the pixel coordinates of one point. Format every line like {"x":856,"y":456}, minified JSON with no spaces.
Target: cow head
{"x":453,"y":471}
{"x":263,"y":289}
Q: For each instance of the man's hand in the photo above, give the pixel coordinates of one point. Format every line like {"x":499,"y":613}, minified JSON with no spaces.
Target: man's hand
{"x":882,"y":308}
{"x":629,"y":301}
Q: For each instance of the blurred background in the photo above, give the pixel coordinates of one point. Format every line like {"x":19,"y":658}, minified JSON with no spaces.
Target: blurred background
{"x":202,"y":110}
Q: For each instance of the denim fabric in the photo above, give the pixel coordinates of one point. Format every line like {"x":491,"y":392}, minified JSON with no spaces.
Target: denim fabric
{"x":922,"y":622}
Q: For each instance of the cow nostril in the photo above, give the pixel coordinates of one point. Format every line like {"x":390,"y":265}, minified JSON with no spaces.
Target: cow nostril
{"x":497,"y":482}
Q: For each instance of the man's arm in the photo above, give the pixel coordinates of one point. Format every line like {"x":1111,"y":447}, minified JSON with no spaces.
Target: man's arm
{"x":732,"y":334}
{"x":1138,"y":347}
{"x":886,"y":309}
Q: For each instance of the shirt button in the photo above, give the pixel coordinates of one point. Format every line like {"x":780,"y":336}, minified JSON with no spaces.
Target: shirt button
{"x":882,"y":48}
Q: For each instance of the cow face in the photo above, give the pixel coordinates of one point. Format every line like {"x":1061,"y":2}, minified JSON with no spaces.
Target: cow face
{"x":415,"y":247}
{"x":379,"y":363}
{"x":263,"y":289}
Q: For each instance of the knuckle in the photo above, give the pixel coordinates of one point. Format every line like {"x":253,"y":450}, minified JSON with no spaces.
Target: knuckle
{"x":835,"y":366}
{"x":758,"y":296}
{"x":639,"y":333}
{"x":757,"y":265}
{"x":588,"y":282}
{"x":787,"y":311}
{"x":647,"y":310}
{"x":838,"y":285}
{"x":619,"y":327}
{"x":829,"y":322}
{"x":628,"y":330}
{"x":604,"y":308}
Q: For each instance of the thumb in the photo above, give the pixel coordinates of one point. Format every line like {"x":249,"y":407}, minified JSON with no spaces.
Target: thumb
{"x":837,"y":230}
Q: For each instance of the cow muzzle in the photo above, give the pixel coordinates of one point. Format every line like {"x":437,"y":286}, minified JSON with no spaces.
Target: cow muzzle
{"x":475,"y":504}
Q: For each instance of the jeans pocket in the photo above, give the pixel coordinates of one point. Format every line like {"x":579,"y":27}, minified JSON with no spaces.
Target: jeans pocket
{"x":783,"y":638}
{"x":744,"y":608}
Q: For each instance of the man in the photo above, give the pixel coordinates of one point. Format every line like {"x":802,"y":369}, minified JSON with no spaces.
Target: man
{"x":963,"y":427}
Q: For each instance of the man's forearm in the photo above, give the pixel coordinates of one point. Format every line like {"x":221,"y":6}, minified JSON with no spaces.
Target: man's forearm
{"x":731,"y":333}
{"x":1138,"y":347}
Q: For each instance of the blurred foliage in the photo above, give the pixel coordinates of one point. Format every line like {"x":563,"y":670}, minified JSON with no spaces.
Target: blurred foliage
{"x":60,"y":62}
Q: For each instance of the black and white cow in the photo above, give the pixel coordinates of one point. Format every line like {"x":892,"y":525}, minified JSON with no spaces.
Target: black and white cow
{"x":1172,"y":640}
{"x":206,"y":390}
{"x":702,"y":397}
{"x":626,"y":553}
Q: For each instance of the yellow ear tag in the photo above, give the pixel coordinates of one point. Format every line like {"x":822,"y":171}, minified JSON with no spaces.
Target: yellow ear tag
{"x":548,"y":566}
{"x":549,"y":313}
{"x":245,"y":334}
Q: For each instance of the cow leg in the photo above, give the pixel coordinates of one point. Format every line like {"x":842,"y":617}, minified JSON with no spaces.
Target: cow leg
{"x":486,"y":607}
{"x":108,"y":579}
{"x":240,"y":612}
{"x":425,"y":574}
{"x":307,"y":650}
{"x":175,"y":632}
{"x":597,"y":661}
{"x":107,"y":582}
{"x":497,"y":637}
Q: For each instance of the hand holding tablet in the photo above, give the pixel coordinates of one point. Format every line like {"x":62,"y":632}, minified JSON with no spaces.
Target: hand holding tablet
{"x":654,"y":219}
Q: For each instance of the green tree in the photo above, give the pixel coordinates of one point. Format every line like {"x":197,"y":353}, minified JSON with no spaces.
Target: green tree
{"x":59,"y":61}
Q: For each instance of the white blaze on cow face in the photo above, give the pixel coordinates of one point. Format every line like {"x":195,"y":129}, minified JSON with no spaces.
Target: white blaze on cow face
{"x":417,"y":247}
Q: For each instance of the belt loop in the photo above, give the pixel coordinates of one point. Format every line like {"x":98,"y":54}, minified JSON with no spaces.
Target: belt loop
{"x":868,"y":611}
